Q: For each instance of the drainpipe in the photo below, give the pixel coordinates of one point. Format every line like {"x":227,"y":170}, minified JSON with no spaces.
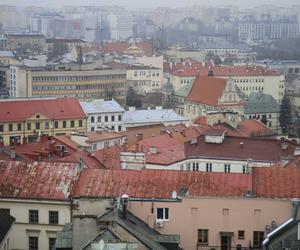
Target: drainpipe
{"x":295,"y":206}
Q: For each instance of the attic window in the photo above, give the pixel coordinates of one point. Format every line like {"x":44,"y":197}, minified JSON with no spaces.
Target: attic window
{"x":37,"y":116}
{"x":62,"y":111}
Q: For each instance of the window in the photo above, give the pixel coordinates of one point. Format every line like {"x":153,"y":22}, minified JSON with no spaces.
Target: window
{"x":33,"y":243}
{"x":227,"y":168}
{"x":92,"y":119}
{"x":119,"y":118}
{"x":37,"y":125}
{"x":56,"y":124}
{"x":208,"y":167}
{"x":119,"y":128}
{"x":28,"y":126}
{"x":106,"y":118}
{"x":241,"y":234}
{"x":64,"y":124}
{"x":258,"y":237}
{"x":80,"y":123}
{"x":72,"y":124}
{"x":225,"y":211}
{"x":112,"y":118}
{"x":1,"y":127}
{"x":106,"y":144}
{"x":37,"y":116}
{"x":33,"y":216}
{"x":19,"y":126}
{"x":46,"y":125}
{"x":203,"y":236}
{"x":195,"y":166}
{"x":99,"y":118}
{"x":92,"y":128}
{"x":10,"y":127}
{"x":113,"y":128}
{"x":244,"y":169}
{"x":162,"y":213}
{"x":53,"y":217}
{"x":51,"y":243}
{"x":4,"y":211}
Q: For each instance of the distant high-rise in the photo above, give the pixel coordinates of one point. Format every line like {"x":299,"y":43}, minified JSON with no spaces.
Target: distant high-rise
{"x":121,"y":26}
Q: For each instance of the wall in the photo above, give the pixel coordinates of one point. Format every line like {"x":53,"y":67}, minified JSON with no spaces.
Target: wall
{"x":191,"y":214}
{"x":99,"y":121}
{"x":22,"y":229}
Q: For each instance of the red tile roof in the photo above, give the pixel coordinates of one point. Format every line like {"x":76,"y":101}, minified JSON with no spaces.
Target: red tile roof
{"x":58,"y":109}
{"x":160,"y":183}
{"x":269,"y":150}
{"x":202,"y":69}
{"x":121,"y":47}
{"x":38,"y":180}
{"x":207,"y":90}
{"x":109,"y":157}
{"x":254,"y":128}
{"x":277,"y":182}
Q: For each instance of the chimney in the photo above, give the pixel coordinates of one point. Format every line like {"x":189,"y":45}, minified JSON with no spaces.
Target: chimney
{"x":210,"y":72}
{"x":24,"y":140}
{"x":124,"y":204}
{"x":12,"y":153}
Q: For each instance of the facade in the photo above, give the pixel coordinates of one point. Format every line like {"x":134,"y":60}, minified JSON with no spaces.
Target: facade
{"x":121,"y":26}
{"x":74,"y":80}
{"x":40,"y":205}
{"x":137,"y":118}
{"x":263,"y":107}
{"x":33,"y":42}
{"x":258,"y":31}
{"x":104,"y":115}
{"x":7,"y":58}
{"x":26,"y":120}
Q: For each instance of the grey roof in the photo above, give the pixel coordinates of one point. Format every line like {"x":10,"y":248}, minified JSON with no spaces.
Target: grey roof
{"x":101,"y":106}
{"x":64,"y":238}
{"x":152,"y":116}
{"x":5,"y":225}
{"x":261,"y":103}
{"x":185,"y":90}
{"x":6,"y":53}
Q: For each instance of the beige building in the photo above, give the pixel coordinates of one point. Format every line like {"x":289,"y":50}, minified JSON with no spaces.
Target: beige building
{"x":40,"y":205}
{"x":26,"y":120}
{"x":72,"y":80}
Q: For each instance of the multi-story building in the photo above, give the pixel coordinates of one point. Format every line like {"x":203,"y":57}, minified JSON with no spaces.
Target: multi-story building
{"x":247,"y":78}
{"x":33,"y":42}
{"x":25,"y":120}
{"x":7,"y":57}
{"x":104,"y":115}
{"x":266,"y":30}
{"x":121,"y":25}
{"x":76,"y":80}
{"x":40,"y":205}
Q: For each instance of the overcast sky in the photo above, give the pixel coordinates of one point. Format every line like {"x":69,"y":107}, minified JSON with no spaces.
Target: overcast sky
{"x":148,"y":3}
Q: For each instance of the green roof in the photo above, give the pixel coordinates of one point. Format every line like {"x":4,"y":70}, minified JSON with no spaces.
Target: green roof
{"x":261,"y":103}
{"x":185,"y":90}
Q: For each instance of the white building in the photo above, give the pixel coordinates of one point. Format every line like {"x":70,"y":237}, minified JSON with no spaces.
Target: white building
{"x":136,"y":118}
{"x":104,"y":115}
{"x":121,"y":26}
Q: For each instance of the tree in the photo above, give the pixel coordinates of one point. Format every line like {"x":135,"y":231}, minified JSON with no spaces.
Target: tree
{"x":285,"y":116}
{"x":132,"y":98}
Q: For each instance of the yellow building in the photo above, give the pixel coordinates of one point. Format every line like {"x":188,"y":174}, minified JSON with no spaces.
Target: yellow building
{"x":82,"y":81}
{"x":26,"y":120}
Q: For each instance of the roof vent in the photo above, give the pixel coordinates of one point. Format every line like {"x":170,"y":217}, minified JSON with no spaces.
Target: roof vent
{"x":284,"y":146}
{"x":241,"y":144}
{"x":193,"y":141}
{"x":153,"y":150}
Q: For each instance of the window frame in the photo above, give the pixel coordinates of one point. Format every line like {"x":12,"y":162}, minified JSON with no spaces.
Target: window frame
{"x":258,"y":238}
{"x":204,"y":233}
{"x":164,"y":209}
{"x":30,"y":243}
{"x":53,"y":217}
{"x":33,"y":218}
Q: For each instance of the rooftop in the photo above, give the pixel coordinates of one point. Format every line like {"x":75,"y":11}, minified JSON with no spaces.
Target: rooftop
{"x":5,"y":225}
{"x":37,"y":180}
{"x":6,"y":53}
{"x":157,"y":115}
{"x":56,"y":109}
{"x":185,"y":90}
{"x":261,"y":103}
{"x":207,"y":90}
{"x":101,"y":106}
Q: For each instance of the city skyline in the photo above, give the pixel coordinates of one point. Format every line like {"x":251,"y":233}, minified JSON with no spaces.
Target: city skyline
{"x":133,"y":4}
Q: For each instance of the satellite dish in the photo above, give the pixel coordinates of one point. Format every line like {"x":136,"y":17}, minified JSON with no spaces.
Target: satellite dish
{"x":101,"y":244}
{"x":174,"y":194}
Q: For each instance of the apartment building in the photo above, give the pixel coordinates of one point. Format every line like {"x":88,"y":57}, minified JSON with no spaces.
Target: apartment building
{"x":72,"y":80}
{"x":266,"y":30}
{"x":247,"y":78}
{"x":104,"y":115}
{"x":33,"y":42}
{"x":121,"y":26}
{"x":218,"y":210}
{"x":37,"y":196}
{"x":25,"y":120}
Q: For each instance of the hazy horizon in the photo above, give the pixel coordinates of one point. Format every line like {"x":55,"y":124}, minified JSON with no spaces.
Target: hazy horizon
{"x":133,"y":4}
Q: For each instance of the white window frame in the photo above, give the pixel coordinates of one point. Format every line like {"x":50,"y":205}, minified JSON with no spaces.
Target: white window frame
{"x":164,"y":214}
